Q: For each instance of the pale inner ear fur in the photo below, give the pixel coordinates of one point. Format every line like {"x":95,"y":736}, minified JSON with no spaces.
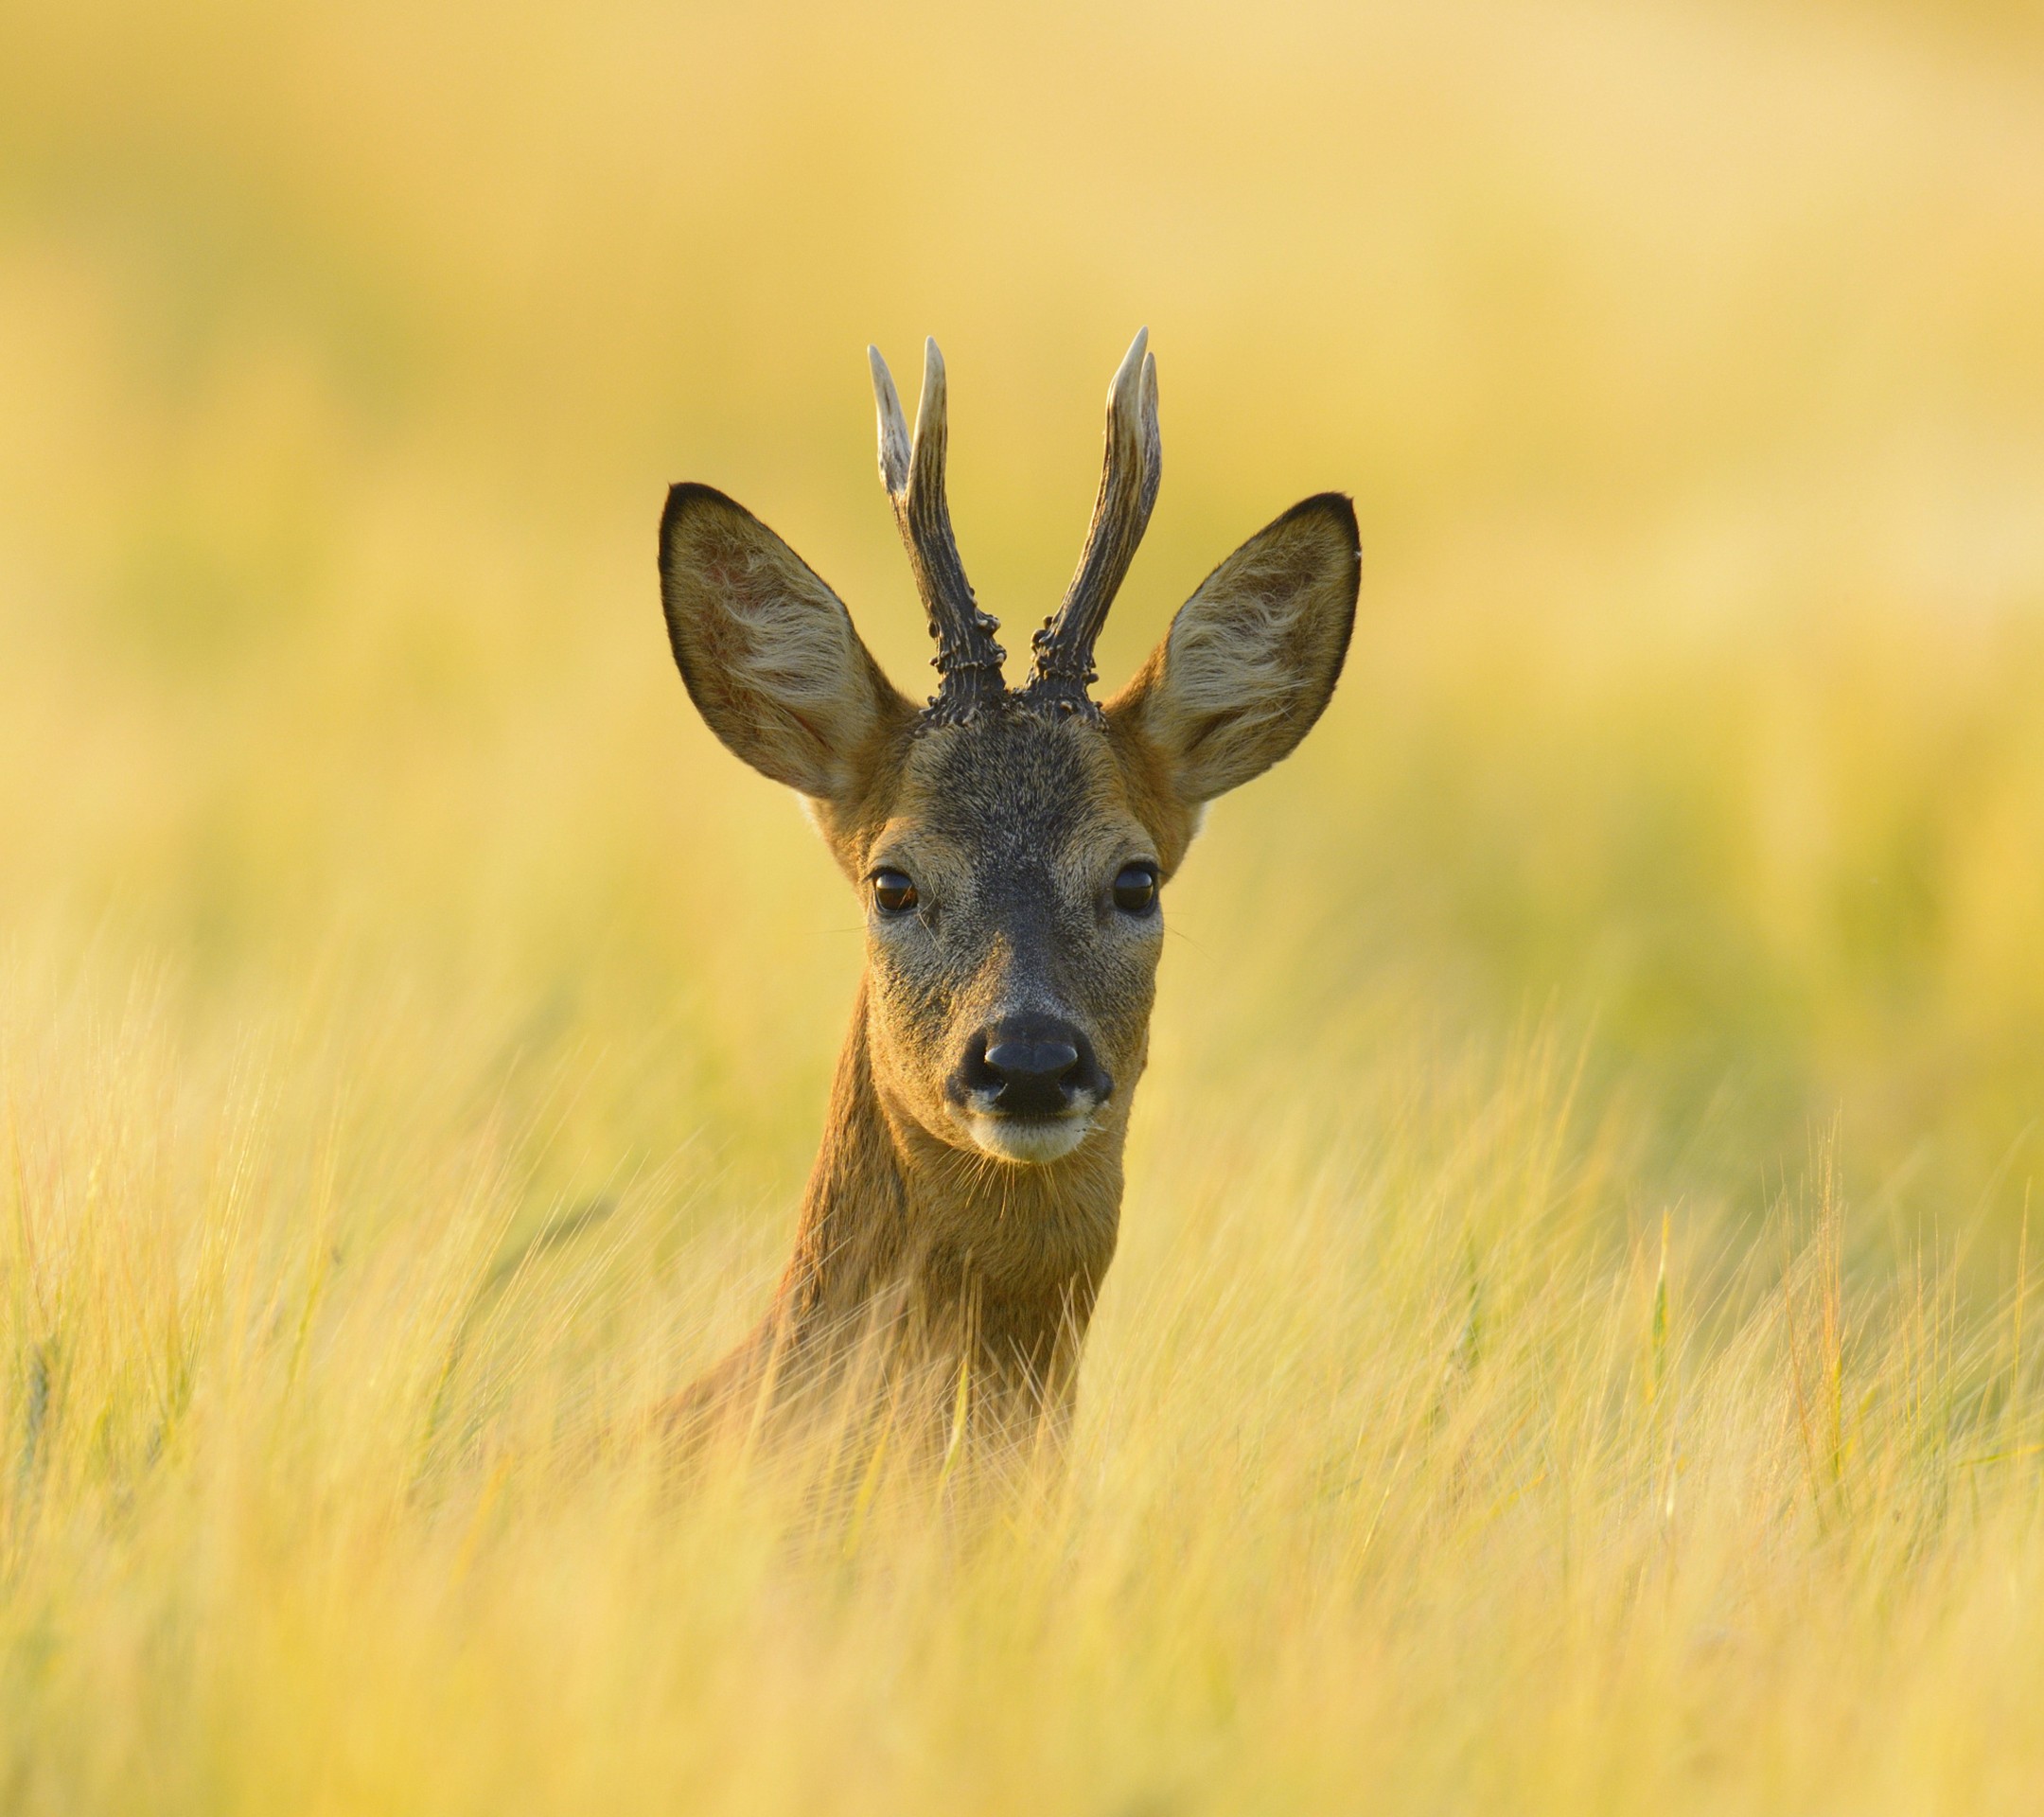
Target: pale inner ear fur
{"x":1251,"y":660}
{"x":767,"y":651}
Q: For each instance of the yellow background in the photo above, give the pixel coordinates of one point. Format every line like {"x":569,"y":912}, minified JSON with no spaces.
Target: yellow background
{"x":1677,"y":835}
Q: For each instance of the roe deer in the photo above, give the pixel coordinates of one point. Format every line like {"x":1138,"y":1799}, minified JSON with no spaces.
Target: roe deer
{"x":1010,"y":847}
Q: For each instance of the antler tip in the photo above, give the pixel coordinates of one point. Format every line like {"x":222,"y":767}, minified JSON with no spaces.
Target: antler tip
{"x":929,"y":408}
{"x":893,"y":427}
{"x":1124,"y":387}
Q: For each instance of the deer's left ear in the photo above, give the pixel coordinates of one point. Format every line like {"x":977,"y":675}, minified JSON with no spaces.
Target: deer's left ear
{"x":1251,"y":661}
{"x":769,"y":652}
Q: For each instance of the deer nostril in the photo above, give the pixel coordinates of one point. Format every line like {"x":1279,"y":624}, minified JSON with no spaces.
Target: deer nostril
{"x":975,"y":1076}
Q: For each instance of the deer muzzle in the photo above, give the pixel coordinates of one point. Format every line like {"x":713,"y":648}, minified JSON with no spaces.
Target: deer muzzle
{"x":1028,"y":1085}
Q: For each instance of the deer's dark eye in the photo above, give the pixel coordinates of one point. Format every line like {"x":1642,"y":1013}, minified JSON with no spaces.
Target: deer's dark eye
{"x":1134,"y":889}
{"x":893,"y":893}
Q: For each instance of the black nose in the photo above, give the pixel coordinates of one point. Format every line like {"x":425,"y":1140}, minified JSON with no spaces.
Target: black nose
{"x":1035,"y":1065}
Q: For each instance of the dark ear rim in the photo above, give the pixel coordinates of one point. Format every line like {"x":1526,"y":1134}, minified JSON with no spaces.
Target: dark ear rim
{"x":1340,"y":507}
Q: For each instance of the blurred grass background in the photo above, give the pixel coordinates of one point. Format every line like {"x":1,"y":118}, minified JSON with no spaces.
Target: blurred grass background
{"x":358,"y":844}
{"x":1682,"y":361}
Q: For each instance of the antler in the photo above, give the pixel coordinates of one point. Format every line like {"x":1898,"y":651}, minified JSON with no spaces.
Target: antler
{"x":968,"y":660}
{"x":1128,"y":489}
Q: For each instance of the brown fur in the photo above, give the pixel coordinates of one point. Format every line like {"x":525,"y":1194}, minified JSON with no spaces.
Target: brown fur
{"x":929,"y":1272}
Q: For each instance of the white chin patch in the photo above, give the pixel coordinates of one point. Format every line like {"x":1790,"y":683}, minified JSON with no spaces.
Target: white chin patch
{"x":1030,"y":1141}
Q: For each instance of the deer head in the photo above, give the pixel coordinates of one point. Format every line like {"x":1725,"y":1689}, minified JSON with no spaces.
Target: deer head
{"x":1011,"y":848}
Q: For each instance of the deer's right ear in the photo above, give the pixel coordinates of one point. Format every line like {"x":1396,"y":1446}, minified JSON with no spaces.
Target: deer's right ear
{"x":768,"y":650}
{"x":1251,"y":661}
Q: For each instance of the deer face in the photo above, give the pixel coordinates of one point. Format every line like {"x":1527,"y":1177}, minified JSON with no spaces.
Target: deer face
{"x":1009,"y":849}
{"x":1014,"y":926}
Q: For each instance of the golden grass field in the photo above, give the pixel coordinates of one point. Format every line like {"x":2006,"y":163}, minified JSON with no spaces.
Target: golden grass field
{"x":1575,"y":1340}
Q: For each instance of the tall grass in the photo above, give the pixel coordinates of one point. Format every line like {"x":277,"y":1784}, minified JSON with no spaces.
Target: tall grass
{"x":1415,"y":1468}
{"x":1573,"y":1344}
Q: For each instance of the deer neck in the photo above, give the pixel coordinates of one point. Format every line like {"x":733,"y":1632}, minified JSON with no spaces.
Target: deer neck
{"x":893,"y":1210}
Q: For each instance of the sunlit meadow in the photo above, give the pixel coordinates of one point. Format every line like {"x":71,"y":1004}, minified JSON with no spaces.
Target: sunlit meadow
{"x":1573,"y":1344}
